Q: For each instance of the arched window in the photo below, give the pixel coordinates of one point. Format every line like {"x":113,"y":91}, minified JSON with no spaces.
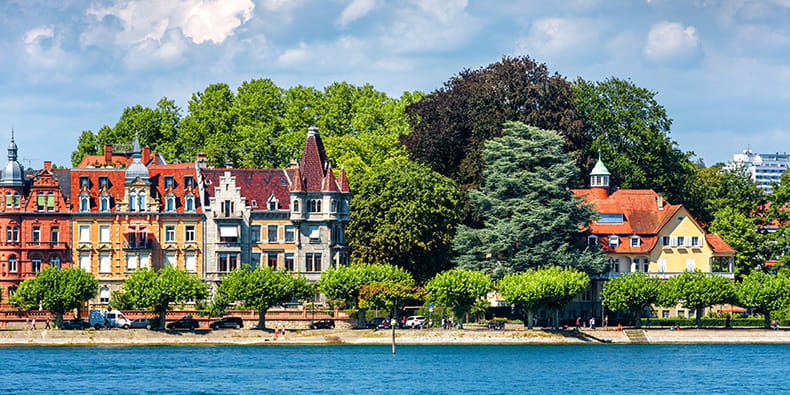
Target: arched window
{"x":55,"y":262}
{"x":141,"y":198}
{"x":105,"y":204}
{"x":85,"y":203}
{"x":171,"y":204}
{"x":104,"y":295}
{"x":190,"y":203}
{"x":16,"y":199}
{"x":296,"y":206}
{"x":132,"y":201}
{"x":12,"y":264}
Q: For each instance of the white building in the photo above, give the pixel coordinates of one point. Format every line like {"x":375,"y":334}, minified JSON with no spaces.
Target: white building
{"x":764,"y":169}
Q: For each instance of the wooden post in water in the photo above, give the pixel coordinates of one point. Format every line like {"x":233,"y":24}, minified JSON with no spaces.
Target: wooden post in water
{"x":392,"y":324}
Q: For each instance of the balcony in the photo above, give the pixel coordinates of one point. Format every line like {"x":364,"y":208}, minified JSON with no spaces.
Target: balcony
{"x":138,"y":245}
{"x":47,"y":245}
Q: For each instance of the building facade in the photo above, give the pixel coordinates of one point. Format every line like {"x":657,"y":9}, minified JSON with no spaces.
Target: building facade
{"x":764,"y":169}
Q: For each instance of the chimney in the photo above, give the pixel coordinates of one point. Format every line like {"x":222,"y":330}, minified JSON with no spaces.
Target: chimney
{"x":200,"y":160}
{"x":48,"y":165}
{"x":229,"y":164}
{"x":293,"y":164}
{"x":107,"y":153}
{"x":660,"y":202}
{"x":146,"y":155}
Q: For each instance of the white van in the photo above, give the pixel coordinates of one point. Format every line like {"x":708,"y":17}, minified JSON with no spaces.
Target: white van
{"x":108,"y":318}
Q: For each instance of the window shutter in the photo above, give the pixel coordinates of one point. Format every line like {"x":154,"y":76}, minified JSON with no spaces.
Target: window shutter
{"x":42,"y":200}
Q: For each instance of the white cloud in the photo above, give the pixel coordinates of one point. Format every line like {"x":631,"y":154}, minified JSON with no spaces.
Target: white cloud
{"x":355,"y":10}
{"x":670,"y":41}
{"x":43,"y":48}
{"x":556,"y":38}
{"x":294,"y":56}
{"x":430,"y":25}
{"x":280,"y":5}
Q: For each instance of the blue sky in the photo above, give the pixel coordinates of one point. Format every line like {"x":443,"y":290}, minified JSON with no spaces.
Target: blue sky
{"x":721,"y":68}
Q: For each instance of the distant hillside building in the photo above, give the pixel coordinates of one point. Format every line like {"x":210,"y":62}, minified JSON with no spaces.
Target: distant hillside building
{"x":764,"y":169}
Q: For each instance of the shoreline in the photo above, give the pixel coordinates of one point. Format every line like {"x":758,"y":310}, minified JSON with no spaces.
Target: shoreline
{"x":471,"y":336}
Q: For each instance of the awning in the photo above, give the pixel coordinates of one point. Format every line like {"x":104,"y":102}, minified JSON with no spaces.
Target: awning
{"x":228,"y":231}
{"x":131,"y":229}
{"x":733,"y":309}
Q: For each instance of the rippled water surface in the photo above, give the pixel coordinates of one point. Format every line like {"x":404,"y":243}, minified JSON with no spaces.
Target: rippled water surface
{"x":487,"y":369}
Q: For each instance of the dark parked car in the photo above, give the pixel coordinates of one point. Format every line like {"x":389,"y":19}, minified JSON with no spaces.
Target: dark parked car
{"x":380,"y":323}
{"x":141,"y":323}
{"x":228,"y":322}
{"x":185,"y":322}
{"x":323,"y":324}
{"x":76,"y":323}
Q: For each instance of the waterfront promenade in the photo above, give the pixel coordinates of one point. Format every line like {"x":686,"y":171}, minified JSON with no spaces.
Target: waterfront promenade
{"x":472,"y":335}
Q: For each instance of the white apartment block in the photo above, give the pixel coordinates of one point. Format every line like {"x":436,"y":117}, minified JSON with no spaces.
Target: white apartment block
{"x":764,"y":169}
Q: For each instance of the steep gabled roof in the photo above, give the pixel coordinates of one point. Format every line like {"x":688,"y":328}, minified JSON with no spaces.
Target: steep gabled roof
{"x":639,"y":207}
{"x":254,"y":184}
{"x":314,"y":161}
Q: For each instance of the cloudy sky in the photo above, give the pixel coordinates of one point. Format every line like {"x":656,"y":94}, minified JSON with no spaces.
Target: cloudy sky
{"x":720,"y":67}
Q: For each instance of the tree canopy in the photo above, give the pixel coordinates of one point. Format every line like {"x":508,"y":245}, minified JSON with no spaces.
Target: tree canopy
{"x":341,"y":284}
{"x":695,"y":290}
{"x":766,"y":293}
{"x":390,"y":295}
{"x":404,"y":214}
{"x":459,"y":289}
{"x":549,"y":287}
{"x":634,"y":292}
{"x":262,"y":288}
{"x":530,"y":218}
{"x":156,"y":290}
{"x":56,"y":290}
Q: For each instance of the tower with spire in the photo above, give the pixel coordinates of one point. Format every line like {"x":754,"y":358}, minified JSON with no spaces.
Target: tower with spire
{"x":599,"y":179}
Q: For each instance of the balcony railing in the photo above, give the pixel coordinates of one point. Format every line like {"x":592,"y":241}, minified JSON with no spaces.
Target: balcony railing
{"x":48,"y":245}
{"x":140,"y":245}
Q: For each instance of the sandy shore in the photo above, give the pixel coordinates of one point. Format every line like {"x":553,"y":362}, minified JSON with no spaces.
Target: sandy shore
{"x":471,"y":335}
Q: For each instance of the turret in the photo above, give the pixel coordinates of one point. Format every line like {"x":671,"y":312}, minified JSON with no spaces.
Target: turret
{"x":599,"y":179}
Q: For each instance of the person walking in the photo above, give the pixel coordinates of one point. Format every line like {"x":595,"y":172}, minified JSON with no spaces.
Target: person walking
{"x":606,"y":321}
{"x":592,"y":322}
{"x":578,"y":323}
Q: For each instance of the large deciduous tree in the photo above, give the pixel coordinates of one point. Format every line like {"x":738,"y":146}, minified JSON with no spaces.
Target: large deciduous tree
{"x":262,"y":289}
{"x":452,"y":124}
{"x":390,"y":295}
{"x":695,"y":290}
{"x":56,"y":290}
{"x":157,"y":290}
{"x":530,"y":218}
{"x":459,"y":289}
{"x":766,"y":293}
{"x":404,"y":214}
{"x":633,"y":292}
{"x":743,"y":233}
{"x":550,"y":287}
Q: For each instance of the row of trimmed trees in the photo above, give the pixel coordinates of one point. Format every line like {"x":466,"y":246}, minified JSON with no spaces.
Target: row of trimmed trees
{"x":635,"y":292}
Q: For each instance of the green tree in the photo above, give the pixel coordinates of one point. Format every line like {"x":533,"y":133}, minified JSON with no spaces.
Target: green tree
{"x":459,"y":289}
{"x":775,"y":215}
{"x":633,"y":292}
{"x":404,"y":215}
{"x":766,"y":293}
{"x":87,"y":145}
{"x":262,"y":289}
{"x":56,"y":290}
{"x":550,"y":287}
{"x":452,"y":124}
{"x":530,"y":217}
{"x":743,"y":233}
{"x":695,"y":290}
{"x":390,"y":295}
{"x":157,"y":290}
{"x":631,"y":130}
{"x":209,"y":126}
{"x":715,"y":189}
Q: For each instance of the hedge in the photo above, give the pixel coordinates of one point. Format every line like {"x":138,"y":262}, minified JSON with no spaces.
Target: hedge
{"x":710,"y":322}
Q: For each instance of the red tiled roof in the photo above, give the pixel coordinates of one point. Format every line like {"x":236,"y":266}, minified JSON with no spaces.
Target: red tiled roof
{"x":638,"y":206}
{"x":717,"y":244}
{"x":342,"y":181}
{"x":314,"y":161}
{"x":254,"y":184}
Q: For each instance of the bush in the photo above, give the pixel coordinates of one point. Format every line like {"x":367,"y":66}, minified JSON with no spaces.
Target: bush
{"x":709,"y":322}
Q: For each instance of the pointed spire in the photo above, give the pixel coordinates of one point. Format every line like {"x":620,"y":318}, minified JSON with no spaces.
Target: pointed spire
{"x":329,"y":184}
{"x":342,"y":180}
{"x":296,"y":181}
{"x":13,"y":173}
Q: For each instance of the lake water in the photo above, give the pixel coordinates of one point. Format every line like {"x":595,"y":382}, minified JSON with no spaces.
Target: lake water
{"x":439,"y":369}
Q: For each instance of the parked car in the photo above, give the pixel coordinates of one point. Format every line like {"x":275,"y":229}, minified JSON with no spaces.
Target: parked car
{"x":76,"y":323}
{"x":228,"y":322}
{"x":141,"y":323}
{"x":323,"y":324}
{"x":185,"y":322}
{"x":380,"y":323}
{"x":415,"y":321}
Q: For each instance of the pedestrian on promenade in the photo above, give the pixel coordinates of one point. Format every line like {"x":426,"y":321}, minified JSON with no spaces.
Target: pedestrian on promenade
{"x":592,"y":322}
{"x":27,"y":323}
{"x":444,"y":323}
{"x":606,"y":321}
{"x":578,"y":323}
{"x":47,"y":324}
{"x":34,"y":323}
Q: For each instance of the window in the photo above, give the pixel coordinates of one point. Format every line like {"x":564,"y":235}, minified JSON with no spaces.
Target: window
{"x":9,"y":200}
{"x":169,"y":183}
{"x":314,"y":206}
{"x":41,"y":202}
{"x":189,"y":202}
{"x":614,"y":241}
{"x":50,"y":201}
{"x":190,"y":262}
{"x":680,"y":241}
{"x":289,"y":233}
{"x":12,"y":268}
{"x":85,"y":262}
{"x":296,"y":206}
{"x":189,"y":182}
{"x":35,"y":234}
{"x":273,"y":205}
{"x":695,"y":241}
{"x":271,"y":259}
{"x":255,"y":233}
{"x":170,"y":233}
{"x":610,"y":219}
{"x":170,"y":260}
{"x":131,"y":262}
{"x":104,"y":204}
{"x":228,"y":234}
{"x":170,"y":205}
{"x":342,"y":259}
{"x":85,"y":203}
{"x":85,"y":233}
{"x":615,"y":265}
{"x":635,"y":241}
{"x":227,"y":262}
{"x":271,"y":232}
{"x":289,"y":261}
{"x":681,"y":313}
{"x":664,"y":313}
{"x":141,"y":200}
{"x":255,"y":260}
{"x":104,"y":233}
{"x":313,"y":262}
{"x":104,"y":295}
{"x":132,"y":201}
{"x":315,"y":234}
{"x":665,"y":240}
{"x":85,"y":182}
{"x":54,"y":234}
{"x":690,"y":264}
{"x":104,"y":263}
{"x":104,"y":183}
{"x":189,"y":233}
{"x":227,"y":208}
{"x":55,"y":262}
{"x":662,"y":265}
{"x":35,"y":264}
{"x":144,"y":261}
{"x":254,"y":203}
{"x":334,"y":206}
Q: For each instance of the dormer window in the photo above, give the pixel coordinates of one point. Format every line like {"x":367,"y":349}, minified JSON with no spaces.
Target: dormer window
{"x":141,"y":200}
{"x":104,"y":203}
{"x":610,"y":219}
{"x":132,"y":201}
{"x":85,"y":182}
{"x":189,"y":203}
{"x":635,"y":241}
{"x":169,"y":183}
{"x":614,"y":241}
{"x":104,"y":183}
{"x":85,"y":203}
{"x":273,"y":203}
{"x":170,"y":203}
{"x":189,"y":182}
{"x":592,"y":241}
